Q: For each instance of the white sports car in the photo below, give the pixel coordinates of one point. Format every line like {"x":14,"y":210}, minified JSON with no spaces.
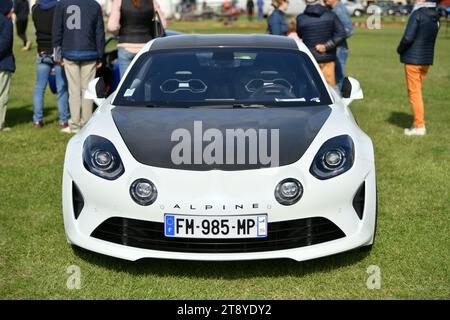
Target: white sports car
{"x":221,"y":148}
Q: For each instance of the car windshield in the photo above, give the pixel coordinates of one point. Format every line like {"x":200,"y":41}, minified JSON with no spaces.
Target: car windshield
{"x":214,"y":77}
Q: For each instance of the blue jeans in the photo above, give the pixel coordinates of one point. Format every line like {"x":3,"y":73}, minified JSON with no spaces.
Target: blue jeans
{"x":125,"y":58}
{"x":260,"y":13}
{"x":43,"y":71}
{"x":341,"y":58}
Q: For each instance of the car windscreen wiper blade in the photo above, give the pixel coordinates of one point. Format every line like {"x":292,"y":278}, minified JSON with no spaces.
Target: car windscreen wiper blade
{"x":249,"y":106}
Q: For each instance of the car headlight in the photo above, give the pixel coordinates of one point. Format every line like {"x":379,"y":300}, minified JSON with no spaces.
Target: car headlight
{"x":101,"y":158}
{"x":288,"y":191}
{"x":335,"y":157}
{"x":143,"y":192}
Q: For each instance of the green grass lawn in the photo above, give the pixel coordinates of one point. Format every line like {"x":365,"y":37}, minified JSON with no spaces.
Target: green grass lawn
{"x":412,"y":247}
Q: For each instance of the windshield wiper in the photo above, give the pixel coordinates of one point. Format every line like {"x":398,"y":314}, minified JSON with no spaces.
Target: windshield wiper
{"x":249,"y":106}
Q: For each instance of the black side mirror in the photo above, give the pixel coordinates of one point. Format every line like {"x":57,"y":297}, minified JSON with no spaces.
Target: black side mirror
{"x":100,"y":88}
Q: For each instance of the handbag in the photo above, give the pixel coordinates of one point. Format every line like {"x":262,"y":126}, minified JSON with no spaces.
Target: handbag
{"x":158,"y":29}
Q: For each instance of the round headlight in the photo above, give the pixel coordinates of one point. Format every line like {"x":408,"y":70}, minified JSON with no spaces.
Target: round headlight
{"x":288,"y":191}
{"x":333,"y":159}
{"x":102,"y":159}
{"x":143,"y":192}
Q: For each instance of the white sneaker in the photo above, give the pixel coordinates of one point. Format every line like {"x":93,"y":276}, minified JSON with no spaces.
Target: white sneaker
{"x":415,"y":131}
{"x":69,"y":130}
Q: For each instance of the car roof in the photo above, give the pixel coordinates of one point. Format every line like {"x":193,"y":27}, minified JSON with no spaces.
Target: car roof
{"x":220,"y":41}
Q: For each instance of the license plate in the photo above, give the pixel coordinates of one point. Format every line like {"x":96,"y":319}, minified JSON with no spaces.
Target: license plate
{"x":229,"y":227}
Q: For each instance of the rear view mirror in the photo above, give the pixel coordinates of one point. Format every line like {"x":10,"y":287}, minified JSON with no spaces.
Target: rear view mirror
{"x":351,"y":90}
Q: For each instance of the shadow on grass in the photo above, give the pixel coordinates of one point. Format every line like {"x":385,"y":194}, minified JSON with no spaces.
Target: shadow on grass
{"x":228,"y":270}
{"x":24,"y":114}
{"x":401,"y":119}
{"x":18,"y":115}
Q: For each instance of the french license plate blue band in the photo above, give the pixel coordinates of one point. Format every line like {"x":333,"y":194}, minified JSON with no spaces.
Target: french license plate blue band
{"x":170,"y":226}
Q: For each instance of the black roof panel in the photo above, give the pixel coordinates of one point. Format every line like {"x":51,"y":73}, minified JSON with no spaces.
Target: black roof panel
{"x":208,"y":41}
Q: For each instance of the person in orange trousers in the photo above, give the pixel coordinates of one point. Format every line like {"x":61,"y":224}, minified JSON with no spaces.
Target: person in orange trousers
{"x":416,"y":51}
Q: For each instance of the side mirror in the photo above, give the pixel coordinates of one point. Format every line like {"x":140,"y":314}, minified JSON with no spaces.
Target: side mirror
{"x":351,"y":90}
{"x":96,"y":91}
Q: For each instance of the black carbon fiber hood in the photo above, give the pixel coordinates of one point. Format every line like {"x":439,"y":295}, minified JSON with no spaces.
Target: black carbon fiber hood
{"x":147,"y":132}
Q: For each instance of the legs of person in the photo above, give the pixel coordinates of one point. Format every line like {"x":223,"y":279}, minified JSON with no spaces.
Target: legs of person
{"x":87,"y":75}
{"x":328,"y":72}
{"x":63,"y":95}
{"x":73,"y":74}
{"x":414,"y":78}
{"x":341,"y":58}
{"x":42,"y":72}
{"x":125,"y":58}
{"x":21,"y":26}
{"x":5,"y":81}
{"x":260,"y":13}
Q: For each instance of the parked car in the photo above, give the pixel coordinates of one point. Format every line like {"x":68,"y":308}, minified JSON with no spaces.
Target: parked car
{"x":388,"y":7}
{"x":406,"y":9}
{"x":159,"y":170}
{"x":355,"y":8}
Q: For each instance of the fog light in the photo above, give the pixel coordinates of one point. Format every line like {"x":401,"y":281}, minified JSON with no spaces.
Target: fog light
{"x":334,"y":159}
{"x":288,"y":191}
{"x":143,"y":192}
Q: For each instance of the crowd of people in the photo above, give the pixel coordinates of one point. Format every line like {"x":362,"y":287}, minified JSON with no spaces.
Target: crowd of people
{"x":75,"y":50}
{"x":325,"y":26}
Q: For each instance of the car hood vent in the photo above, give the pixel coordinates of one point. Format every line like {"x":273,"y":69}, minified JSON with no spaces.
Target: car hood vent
{"x":148,"y":134}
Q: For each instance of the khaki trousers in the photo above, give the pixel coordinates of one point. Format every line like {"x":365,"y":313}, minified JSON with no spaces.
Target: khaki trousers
{"x":328,"y":72}
{"x":79,"y":74}
{"x":5,"y":82}
{"x":415,"y":74}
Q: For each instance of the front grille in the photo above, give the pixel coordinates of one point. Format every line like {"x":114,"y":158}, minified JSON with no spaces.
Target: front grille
{"x":281,"y":235}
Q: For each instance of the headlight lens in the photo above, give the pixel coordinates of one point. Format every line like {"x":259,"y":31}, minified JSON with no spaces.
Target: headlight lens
{"x":335,"y":157}
{"x":101,"y":158}
{"x":143,"y":192}
{"x":288,"y":191}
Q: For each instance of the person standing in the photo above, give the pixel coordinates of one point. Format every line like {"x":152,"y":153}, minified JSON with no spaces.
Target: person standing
{"x":277,"y":22}
{"x":260,"y":5}
{"x":250,"y":9}
{"x":78,"y":41}
{"x":321,"y":31}
{"x":416,"y":51}
{"x":342,"y":50}
{"x":7,"y":64}
{"x":42,"y":14}
{"x":22,"y":10}
{"x":132,"y":21}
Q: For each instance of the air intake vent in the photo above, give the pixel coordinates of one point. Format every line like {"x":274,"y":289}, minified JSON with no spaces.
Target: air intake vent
{"x":77,"y":200}
{"x":358,"y":200}
{"x":281,"y":235}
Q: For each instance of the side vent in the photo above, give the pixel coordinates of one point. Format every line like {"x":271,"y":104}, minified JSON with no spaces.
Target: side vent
{"x":77,"y":200}
{"x":359,"y":199}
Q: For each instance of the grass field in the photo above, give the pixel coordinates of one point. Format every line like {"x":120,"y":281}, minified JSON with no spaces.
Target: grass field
{"x":412,"y":247}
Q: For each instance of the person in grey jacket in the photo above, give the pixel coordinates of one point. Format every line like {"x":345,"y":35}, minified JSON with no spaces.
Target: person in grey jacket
{"x":416,"y":51}
{"x":342,"y":50}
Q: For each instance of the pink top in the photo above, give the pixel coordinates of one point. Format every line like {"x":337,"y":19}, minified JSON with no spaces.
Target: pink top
{"x":114,"y":25}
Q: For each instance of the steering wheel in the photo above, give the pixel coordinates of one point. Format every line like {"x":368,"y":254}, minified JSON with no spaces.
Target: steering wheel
{"x":273,"y":90}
